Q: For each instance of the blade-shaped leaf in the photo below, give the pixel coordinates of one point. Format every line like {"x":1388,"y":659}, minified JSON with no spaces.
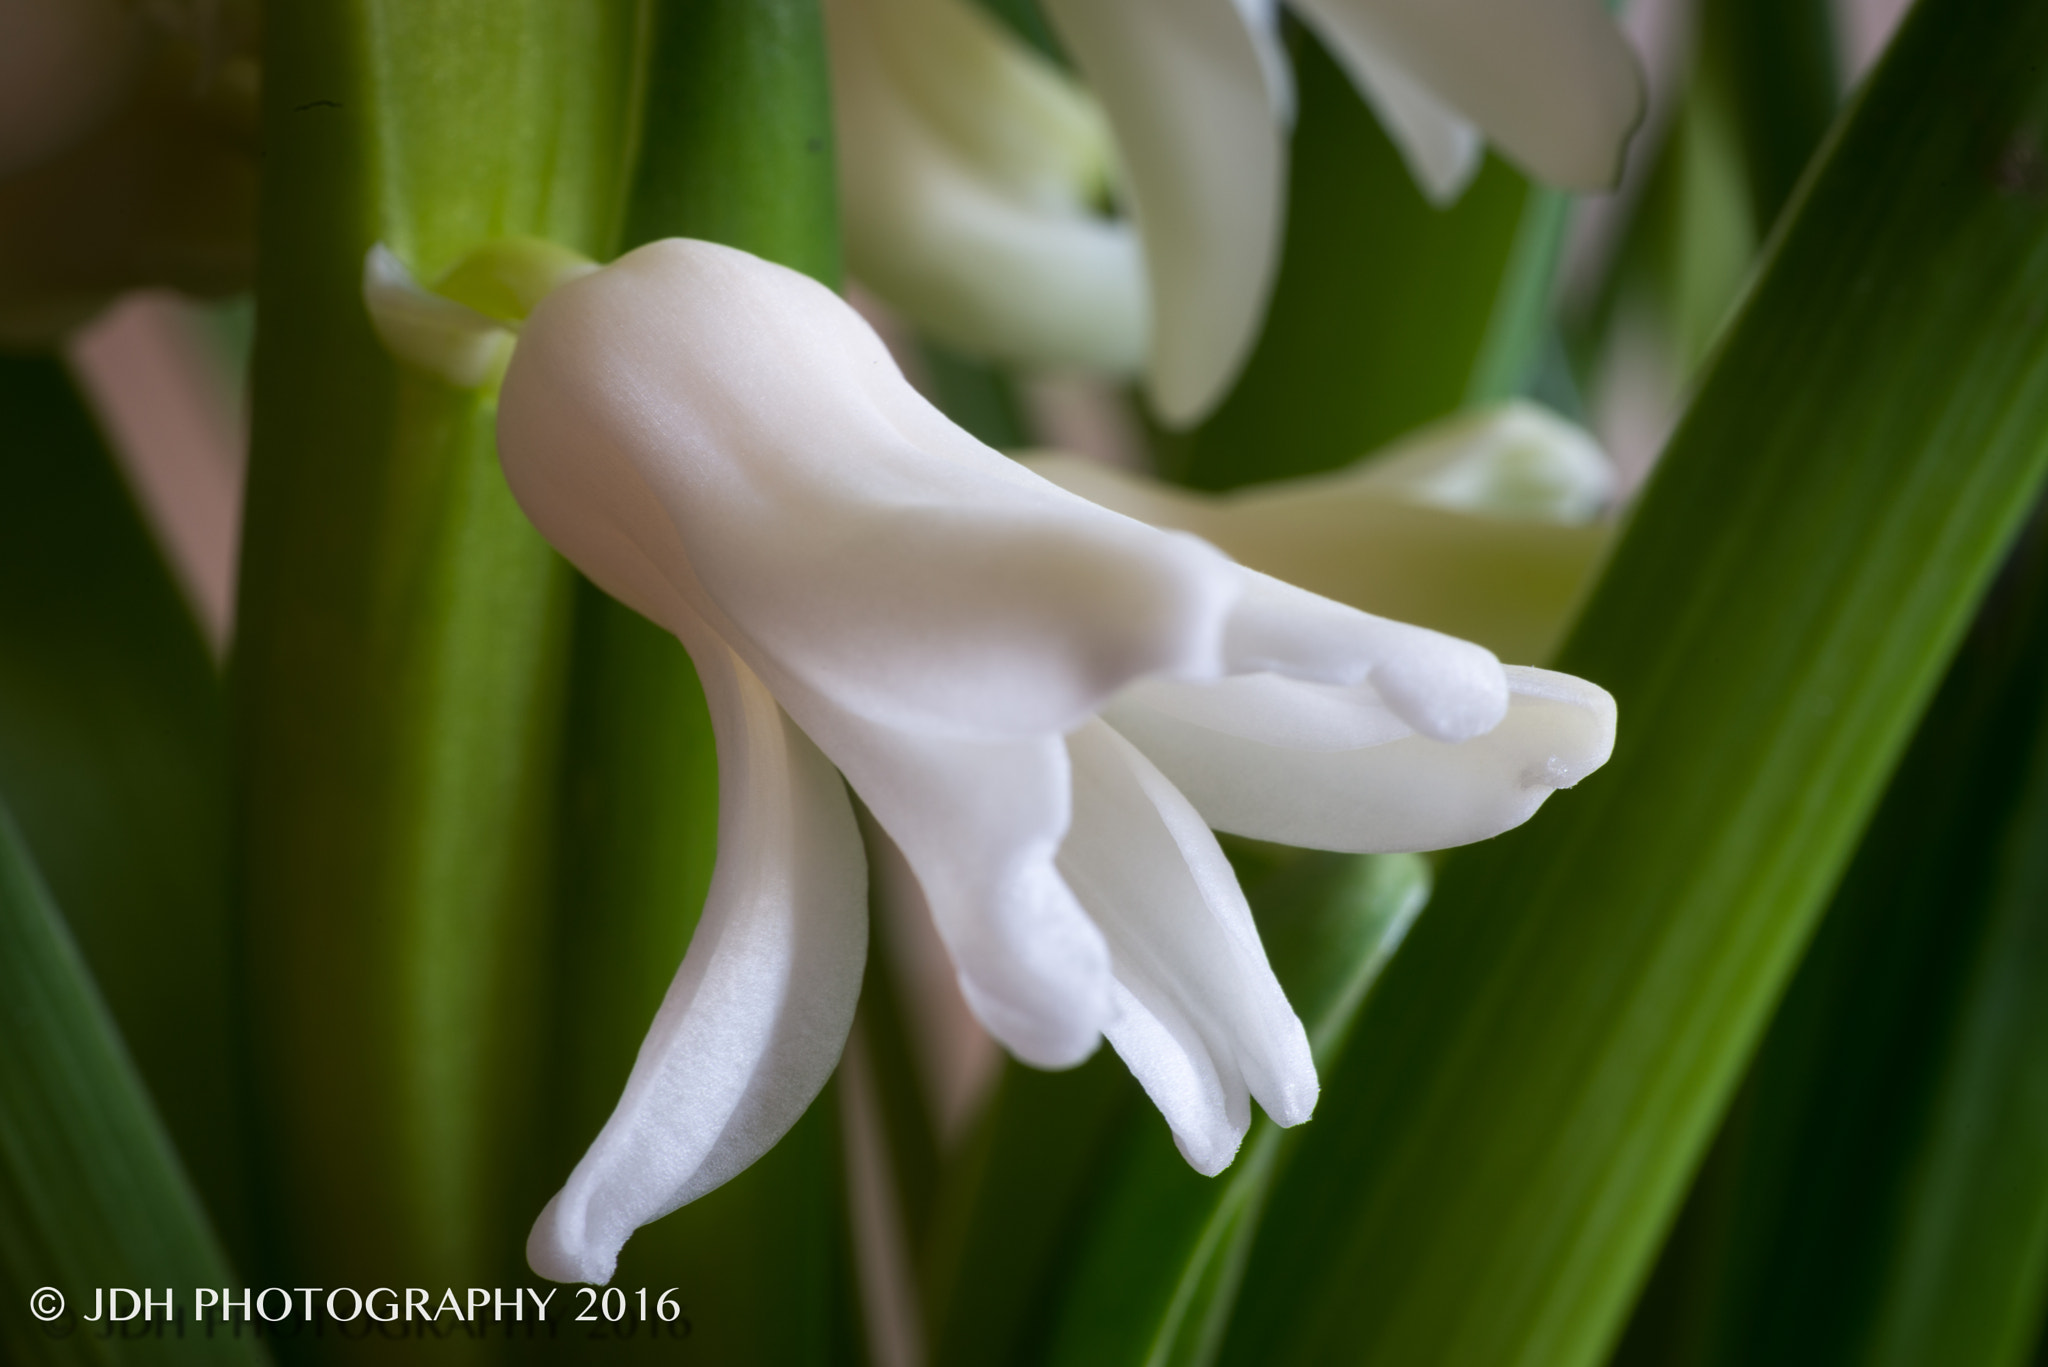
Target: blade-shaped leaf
{"x":1540,"y":1068}
{"x":91,"y":1193}
{"x":1880,"y":1193}
{"x":113,"y":753}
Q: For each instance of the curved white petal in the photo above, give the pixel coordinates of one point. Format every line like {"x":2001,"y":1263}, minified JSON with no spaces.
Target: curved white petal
{"x":1552,"y":83}
{"x":1481,"y":527}
{"x":1442,"y":149}
{"x":1193,"y":90}
{"x":1445,"y":688}
{"x":1409,"y":794}
{"x":758,"y":1013}
{"x":702,"y":431}
{"x":1200,"y":1018}
{"x":979,"y":823}
{"x":968,"y":167}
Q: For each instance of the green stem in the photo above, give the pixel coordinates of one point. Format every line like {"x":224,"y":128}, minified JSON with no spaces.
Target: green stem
{"x":397,"y":679}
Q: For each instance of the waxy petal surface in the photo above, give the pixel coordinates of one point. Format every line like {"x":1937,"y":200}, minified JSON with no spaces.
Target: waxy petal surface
{"x":755,"y":1020}
{"x":1201,"y":1021}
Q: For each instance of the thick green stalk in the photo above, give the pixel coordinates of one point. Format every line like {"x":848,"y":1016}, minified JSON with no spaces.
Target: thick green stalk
{"x":91,"y":1192}
{"x":113,"y":753}
{"x":397,"y":679}
{"x":1535,"y":1077}
{"x":734,"y":146}
{"x":1879,"y":1196}
{"x":1387,"y":312}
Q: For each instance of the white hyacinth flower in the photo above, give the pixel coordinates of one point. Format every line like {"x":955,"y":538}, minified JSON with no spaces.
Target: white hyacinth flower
{"x":1200,"y":96}
{"x":1046,"y":706}
{"x":973,"y":174}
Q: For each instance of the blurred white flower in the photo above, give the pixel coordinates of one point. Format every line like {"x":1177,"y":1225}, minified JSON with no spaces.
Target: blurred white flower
{"x":1045,"y":705}
{"x":974,"y":178}
{"x":1487,"y":525}
{"x":1200,"y":96}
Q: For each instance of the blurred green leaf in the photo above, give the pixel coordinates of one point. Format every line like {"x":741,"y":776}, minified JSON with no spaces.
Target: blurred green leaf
{"x":1534,"y":1078}
{"x":1880,"y":1195}
{"x":1386,"y":312}
{"x":398,"y":675}
{"x":113,"y":752}
{"x":1775,"y":63}
{"x":91,"y":1193}
{"x":1074,"y":1232}
{"x":734,"y":146}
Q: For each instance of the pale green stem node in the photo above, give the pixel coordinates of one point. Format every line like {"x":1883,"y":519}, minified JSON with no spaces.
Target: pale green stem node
{"x":461,"y":330}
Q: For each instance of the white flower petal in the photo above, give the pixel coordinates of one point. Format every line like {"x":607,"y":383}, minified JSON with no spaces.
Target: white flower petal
{"x":968,"y":167}
{"x":1192,"y":88}
{"x":1443,"y":150}
{"x":1552,"y":83}
{"x":758,"y":1013}
{"x":1272,"y":710}
{"x":1200,"y":1017}
{"x":1412,"y":794}
{"x":702,"y":431}
{"x":1445,"y":688}
{"x":979,"y":823}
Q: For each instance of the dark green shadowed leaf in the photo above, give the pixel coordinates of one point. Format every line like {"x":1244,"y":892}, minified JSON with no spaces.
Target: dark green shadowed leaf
{"x":1012,"y":1204}
{"x":734,"y":146}
{"x":1154,"y":1269}
{"x":91,"y":1193}
{"x":1535,"y":1077}
{"x":1387,"y":312}
{"x":1880,"y":1194}
{"x":113,"y":741}
{"x":1774,"y":61}
{"x":398,"y":676}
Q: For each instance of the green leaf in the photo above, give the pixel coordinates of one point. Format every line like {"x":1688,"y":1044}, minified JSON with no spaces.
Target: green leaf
{"x":1881,"y":1193}
{"x":1537,"y":1073}
{"x":398,"y":676}
{"x":91,"y":1193}
{"x":113,"y":752}
{"x":1774,"y":61}
{"x":1072,"y":1231}
{"x":1387,"y":313}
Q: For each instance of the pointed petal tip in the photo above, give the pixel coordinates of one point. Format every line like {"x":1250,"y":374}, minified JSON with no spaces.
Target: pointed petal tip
{"x":1054,"y":1042}
{"x":1208,"y":1154}
{"x":561,"y":1254}
{"x":1583,"y":734}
